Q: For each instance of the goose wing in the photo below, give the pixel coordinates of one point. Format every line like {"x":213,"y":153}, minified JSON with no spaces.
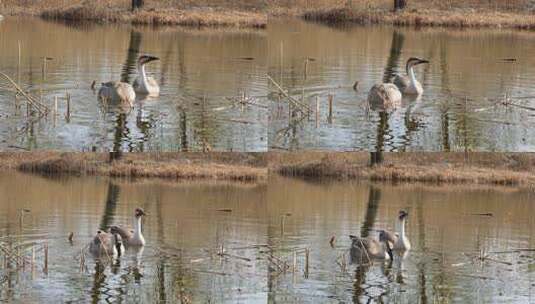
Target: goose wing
{"x":391,"y":237}
{"x":384,"y":96}
{"x":102,"y":244}
{"x":125,"y":234}
{"x":117,"y":91}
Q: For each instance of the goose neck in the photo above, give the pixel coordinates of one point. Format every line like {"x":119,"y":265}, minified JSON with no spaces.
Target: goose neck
{"x":137,"y":226}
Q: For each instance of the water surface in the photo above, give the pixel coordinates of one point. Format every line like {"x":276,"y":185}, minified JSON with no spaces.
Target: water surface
{"x":469,"y":74}
{"x":185,"y":228}
{"x":203,"y":74}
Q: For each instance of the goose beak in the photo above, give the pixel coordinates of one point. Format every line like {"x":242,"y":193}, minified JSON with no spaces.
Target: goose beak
{"x":403,"y":214}
{"x":152,"y":58}
{"x":422,"y":61}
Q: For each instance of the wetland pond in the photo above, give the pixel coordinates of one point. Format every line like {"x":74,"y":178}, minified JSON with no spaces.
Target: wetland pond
{"x":479,"y":92}
{"x":260,"y":227}
{"x":213,"y":87}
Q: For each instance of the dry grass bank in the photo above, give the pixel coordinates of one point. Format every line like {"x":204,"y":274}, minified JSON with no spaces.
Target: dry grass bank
{"x":250,"y":167}
{"x":516,"y":169}
{"x":450,"y":13}
{"x":254,"y":13}
{"x":474,"y":168}
{"x":426,"y":17}
{"x":239,"y":14}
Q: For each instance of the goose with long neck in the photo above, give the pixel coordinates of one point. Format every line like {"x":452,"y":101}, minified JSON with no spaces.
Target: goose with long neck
{"x":145,"y":84}
{"x":399,"y":240}
{"x":408,"y":84}
{"x":363,"y":250}
{"x":132,"y":237}
{"x":402,"y":242}
{"x":105,"y":244}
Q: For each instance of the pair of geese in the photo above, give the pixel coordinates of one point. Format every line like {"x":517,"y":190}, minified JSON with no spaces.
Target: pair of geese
{"x":119,"y":92}
{"x":366,"y":249}
{"x":111,"y":244}
{"x":389,"y":95}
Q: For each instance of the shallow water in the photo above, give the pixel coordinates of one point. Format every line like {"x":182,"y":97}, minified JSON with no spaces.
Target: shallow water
{"x":184,"y":230}
{"x":202,"y":75}
{"x":468,"y":75}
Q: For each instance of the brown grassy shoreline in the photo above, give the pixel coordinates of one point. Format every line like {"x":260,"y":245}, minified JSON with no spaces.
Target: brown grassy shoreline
{"x":515,"y":14}
{"x":190,"y":18}
{"x":154,"y":13}
{"x":425,"y":17}
{"x":514,"y":169}
{"x":247,"y":167}
{"x":510,"y":169}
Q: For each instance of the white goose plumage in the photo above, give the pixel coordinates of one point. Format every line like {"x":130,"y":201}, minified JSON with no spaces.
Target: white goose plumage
{"x":408,"y":84}
{"x":399,"y":240}
{"x":132,"y":237}
{"x":144,"y":84}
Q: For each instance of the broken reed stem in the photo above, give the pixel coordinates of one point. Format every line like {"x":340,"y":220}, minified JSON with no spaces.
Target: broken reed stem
{"x":45,"y":269}
{"x":331,"y":97}
{"x":301,"y":107}
{"x":281,"y":69}
{"x":282,"y":225}
{"x":55,"y":109}
{"x":307,"y":254}
{"x":317,"y":111}
{"x":19,"y":54}
{"x":68,"y":114}
{"x":44,"y":68}
{"x":42,"y":108}
{"x":33,"y":259}
{"x":294,"y":266}
{"x":82,"y":260}
{"x":305,"y":70}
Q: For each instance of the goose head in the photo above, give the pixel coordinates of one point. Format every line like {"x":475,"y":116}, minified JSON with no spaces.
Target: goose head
{"x":403,"y":214}
{"x":144,"y":59}
{"x":98,"y":240}
{"x":139,"y":213}
{"x":414,"y":61}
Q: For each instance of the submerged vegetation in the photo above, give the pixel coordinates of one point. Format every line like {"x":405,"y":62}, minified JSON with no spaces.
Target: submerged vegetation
{"x":214,"y":166}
